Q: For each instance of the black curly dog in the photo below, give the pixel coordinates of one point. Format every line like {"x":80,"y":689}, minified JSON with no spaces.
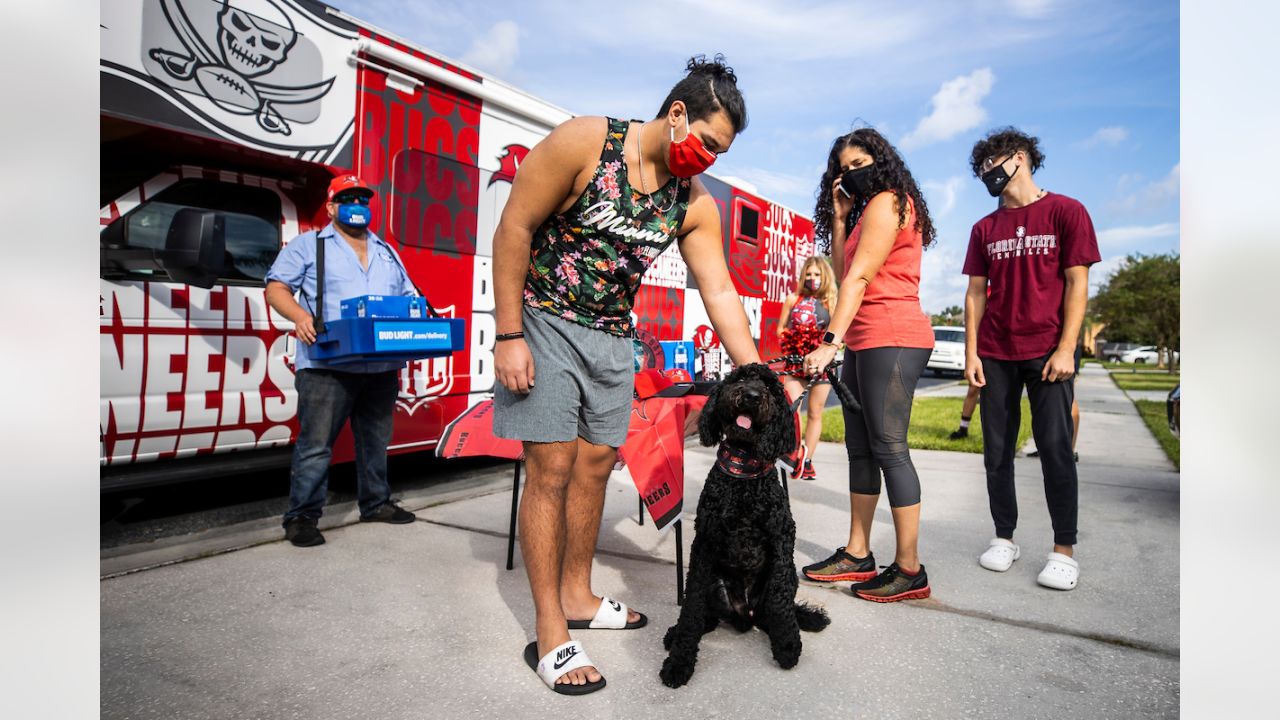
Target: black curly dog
{"x":741,"y":567}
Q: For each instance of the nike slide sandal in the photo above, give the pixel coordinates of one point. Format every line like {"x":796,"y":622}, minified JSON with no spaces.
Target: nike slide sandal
{"x":611,"y":615}
{"x":562,"y":659}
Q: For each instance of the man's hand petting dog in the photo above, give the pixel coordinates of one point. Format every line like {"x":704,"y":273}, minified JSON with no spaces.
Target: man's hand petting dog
{"x":741,"y":566}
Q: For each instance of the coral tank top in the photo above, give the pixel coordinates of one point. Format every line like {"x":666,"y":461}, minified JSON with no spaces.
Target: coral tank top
{"x":890,"y":315}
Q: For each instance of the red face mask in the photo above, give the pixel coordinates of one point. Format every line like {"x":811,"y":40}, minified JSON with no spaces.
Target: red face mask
{"x":688,"y":157}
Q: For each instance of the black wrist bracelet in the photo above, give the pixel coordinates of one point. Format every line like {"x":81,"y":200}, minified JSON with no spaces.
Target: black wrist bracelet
{"x":509,"y":336}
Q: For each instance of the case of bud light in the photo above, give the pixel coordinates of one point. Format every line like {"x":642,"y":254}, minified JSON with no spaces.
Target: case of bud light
{"x":368,"y":339}
{"x":679,"y":354}
{"x":382,"y":306}
{"x":387,"y":328}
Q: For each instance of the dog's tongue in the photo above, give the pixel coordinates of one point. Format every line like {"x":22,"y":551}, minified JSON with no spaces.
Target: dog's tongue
{"x":744,"y":422}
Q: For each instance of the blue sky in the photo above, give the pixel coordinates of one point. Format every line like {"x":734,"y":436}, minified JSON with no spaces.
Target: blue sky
{"x":1097,"y":82}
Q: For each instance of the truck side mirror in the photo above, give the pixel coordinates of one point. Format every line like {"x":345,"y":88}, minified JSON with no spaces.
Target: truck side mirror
{"x":194,"y":247}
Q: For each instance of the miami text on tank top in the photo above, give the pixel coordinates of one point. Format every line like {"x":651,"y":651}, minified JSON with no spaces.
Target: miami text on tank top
{"x":586,"y":263}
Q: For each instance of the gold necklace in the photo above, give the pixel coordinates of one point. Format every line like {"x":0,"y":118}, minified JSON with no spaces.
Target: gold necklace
{"x":643,"y":188}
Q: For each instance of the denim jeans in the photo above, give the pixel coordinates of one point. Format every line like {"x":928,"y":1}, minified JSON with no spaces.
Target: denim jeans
{"x":1050,"y":425}
{"x":326,"y":400}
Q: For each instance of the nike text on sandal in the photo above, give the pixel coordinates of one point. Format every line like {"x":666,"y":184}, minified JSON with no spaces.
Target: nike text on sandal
{"x":611,"y":615}
{"x":554,"y":665}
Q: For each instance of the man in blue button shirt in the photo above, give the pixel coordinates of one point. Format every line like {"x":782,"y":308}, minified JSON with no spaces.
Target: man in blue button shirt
{"x":357,"y":262}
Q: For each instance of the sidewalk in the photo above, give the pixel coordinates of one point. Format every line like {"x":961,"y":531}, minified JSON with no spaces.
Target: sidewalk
{"x":424,"y":621}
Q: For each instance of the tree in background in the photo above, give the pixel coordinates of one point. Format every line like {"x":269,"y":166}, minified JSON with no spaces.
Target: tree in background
{"x":1141,"y":300}
{"x":953,"y":316}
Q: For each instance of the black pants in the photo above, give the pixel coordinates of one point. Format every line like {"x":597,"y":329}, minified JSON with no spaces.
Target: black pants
{"x":884,"y":381}
{"x":1050,"y":425}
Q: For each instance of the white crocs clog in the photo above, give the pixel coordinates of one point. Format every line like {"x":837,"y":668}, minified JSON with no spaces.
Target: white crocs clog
{"x":1062,"y":572}
{"x":1000,"y":555}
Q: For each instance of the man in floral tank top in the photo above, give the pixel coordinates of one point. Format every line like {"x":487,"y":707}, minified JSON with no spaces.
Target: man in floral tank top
{"x":592,"y":205}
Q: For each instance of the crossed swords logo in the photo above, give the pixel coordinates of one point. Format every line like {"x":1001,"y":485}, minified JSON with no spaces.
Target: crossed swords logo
{"x":248,"y":47}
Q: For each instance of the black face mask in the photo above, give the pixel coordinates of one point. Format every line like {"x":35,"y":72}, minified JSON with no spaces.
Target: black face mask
{"x":996,"y":179}
{"x":857,"y":182}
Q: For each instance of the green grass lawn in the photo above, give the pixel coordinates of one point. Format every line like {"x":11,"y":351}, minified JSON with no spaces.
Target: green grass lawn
{"x":1146,"y":381}
{"x":932,"y":420}
{"x":1131,"y":367}
{"x":1153,"y":414}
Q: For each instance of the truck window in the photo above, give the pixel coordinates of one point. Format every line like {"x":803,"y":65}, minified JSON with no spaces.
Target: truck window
{"x":252,"y":227}
{"x":749,"y":223}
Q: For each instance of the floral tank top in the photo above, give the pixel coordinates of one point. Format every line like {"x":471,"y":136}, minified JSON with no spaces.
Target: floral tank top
{"x":586,"y":263}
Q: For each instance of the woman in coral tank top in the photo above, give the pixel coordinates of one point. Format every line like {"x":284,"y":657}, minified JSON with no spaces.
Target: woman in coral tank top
{"x":873,"y":219}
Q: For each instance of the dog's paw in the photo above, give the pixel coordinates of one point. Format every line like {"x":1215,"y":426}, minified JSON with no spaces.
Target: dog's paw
{"x":675,"y":674}
{"x":787,"y":655}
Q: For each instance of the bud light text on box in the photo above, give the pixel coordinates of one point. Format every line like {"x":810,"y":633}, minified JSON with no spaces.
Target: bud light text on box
{"x":409,"y":336}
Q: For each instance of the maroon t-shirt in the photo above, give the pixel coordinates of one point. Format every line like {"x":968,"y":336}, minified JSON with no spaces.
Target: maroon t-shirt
{"x":1024,"y":253}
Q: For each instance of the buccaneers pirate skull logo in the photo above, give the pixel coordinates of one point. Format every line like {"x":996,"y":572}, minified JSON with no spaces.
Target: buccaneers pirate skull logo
{"x":252,"y":40}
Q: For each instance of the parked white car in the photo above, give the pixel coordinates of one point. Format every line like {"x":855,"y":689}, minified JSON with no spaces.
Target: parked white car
{"x":1148,"y":354}
{"x":948,"y":350}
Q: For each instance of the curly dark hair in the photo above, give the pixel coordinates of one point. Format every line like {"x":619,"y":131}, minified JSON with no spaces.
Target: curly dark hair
{"x":890,"y":174}
{"x":1005,"y":141}
{"x":709,"y":87}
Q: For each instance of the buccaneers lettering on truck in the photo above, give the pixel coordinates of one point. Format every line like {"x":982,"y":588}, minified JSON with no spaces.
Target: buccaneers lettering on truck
{"x":222,"y":122}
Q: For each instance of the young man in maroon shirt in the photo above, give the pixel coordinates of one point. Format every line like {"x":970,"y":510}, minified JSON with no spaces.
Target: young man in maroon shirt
{"x":1033,"y":255}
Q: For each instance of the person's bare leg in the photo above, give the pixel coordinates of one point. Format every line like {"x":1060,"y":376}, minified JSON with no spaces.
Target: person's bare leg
{"x":542,"y":543}
{"x":813,"y":428}
{"x":906,"y":527}
{"x":583,"y":508}
{"x":970,"y":401}
{"x":862,"y":511}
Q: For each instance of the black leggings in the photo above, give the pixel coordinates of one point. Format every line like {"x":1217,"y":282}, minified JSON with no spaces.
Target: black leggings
{"x":884,"y":381}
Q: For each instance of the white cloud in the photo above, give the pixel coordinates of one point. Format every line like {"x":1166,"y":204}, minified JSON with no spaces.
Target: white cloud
{"x":1030,"y":8}
{"x":1153,"y":195}
{"x":1126,"y":235}
{"x":496,"y":50}
{"x":1112,"y":136}
{"x":794,"y":191}
{"x":1100,"y":273}
{"x":957,"y":107}
{"x":941,"y":282}
{"x":941,"y":196}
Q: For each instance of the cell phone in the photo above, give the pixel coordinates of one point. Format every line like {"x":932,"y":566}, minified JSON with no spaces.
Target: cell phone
{"x":845,"y":184}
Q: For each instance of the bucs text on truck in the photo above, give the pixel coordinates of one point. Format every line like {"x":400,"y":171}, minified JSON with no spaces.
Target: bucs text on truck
{"x":222,"y":122}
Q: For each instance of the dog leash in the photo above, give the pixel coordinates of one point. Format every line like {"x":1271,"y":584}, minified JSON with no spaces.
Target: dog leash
{"x":829,"y":374}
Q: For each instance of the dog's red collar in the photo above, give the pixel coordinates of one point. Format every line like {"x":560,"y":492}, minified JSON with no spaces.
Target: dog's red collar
{"x":737,"y":464}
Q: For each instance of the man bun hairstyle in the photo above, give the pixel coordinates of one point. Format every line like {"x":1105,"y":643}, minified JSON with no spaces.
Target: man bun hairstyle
{"x":708,"y":87}
{"x":1005,"y":141}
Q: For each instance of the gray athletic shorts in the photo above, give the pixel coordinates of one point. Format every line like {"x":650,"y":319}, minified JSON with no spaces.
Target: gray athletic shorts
{"x":583,"y":382}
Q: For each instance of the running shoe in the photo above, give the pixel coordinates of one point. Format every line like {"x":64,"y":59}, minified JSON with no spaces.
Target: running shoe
{"x":796,"y":460}
{"x":959,"y":434}
{"x":893,"y":585}
{"x":808,"y":473}
{"x":842,"y":566}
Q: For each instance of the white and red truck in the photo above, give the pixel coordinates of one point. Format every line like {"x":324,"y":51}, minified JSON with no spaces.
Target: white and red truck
{"x":222,"y":122}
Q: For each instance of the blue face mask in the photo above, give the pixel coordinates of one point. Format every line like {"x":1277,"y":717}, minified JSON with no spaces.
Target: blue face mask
{"x":354,"y":211}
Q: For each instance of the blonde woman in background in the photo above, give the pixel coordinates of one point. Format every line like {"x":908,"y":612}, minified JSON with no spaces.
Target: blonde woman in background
{"x":810,"y":306}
